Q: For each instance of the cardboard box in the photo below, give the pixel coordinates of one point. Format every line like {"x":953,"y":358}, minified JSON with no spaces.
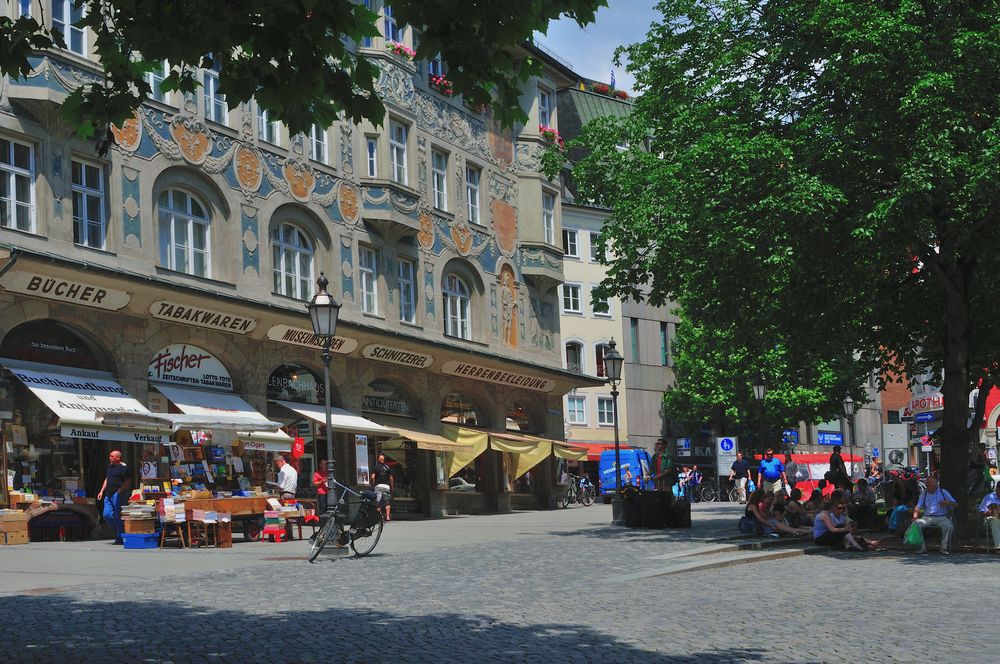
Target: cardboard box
{"x":14,"y":538}
{"x":13,"y":526}
{"x":139,"y":525}
{"x":13,"y":516}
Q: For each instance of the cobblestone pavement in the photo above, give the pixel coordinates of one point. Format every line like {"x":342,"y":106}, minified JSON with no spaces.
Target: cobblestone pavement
{"x":528,"y":587}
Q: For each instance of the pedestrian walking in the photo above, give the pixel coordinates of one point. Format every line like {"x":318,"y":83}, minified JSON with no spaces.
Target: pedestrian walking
{"x":837,"y":474}
{"x":791,"y":470}
{"x":771,"y":473}
{"x":740,"y":473}
{"x":115,"y":491}
{"x":662,"y":466}
{"x":384,"y":483}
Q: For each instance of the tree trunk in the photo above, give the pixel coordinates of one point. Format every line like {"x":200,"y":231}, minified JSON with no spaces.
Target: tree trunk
{"x":953,"y":436}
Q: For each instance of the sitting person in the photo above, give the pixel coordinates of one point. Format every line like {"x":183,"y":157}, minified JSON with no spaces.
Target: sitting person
{"x":862,"y":508}
{"x":899,"y":517}
{"x":795,"y":513}
{"x":990,"y":509}
{"x":771,"y":524}
{"x":935,"y":501}
{"x":815,"y":502}
{"x":780,"y":525}
{"x":830,"y":528}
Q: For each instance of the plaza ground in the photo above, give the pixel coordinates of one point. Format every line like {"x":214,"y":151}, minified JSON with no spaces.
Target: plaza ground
{"x":558,"y":586}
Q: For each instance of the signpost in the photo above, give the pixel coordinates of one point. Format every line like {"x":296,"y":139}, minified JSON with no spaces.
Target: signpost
{"x":725,"y":453}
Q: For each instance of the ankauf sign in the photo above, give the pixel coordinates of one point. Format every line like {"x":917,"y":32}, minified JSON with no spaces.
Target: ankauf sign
{"x":183,"y":364}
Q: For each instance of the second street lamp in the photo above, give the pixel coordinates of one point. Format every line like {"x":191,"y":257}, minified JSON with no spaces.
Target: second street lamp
{"x":759,"y":392}
{"x":613,"y":361}
{"x":849,"y":414}
{"x":324,"y":311}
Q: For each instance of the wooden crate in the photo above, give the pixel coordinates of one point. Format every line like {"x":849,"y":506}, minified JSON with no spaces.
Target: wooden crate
{"x":14,"y":538}
{"x":139,"y":526}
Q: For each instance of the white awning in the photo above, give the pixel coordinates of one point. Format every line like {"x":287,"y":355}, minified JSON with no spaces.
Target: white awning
{"x":341,"y":420}
{"x":204,"y":409}
{"x":78,"y":397}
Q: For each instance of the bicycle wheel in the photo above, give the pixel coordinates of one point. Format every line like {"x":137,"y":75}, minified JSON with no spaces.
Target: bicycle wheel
{"x":367,"y":530}
{"x":564,"y":501}
{"x":709,"y":494}
{"x":586,"y":499}
{"x":322,"y":537}
{"x":734,"y":495}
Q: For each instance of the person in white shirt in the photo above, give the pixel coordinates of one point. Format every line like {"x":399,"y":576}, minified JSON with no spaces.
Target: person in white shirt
{"x":935,"y":501}
{"x":288,"y":477}
{"x":990,"y":509}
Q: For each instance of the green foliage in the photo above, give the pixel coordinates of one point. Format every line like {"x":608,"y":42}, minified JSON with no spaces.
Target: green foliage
{"x":296,"y":57}
{"x":820,"y":195}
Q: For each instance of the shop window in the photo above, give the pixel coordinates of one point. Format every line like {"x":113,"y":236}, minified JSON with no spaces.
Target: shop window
{"x":292,"y":254}
{"x":17,"y":185}
{"x":65,"y":15}
{"x":459,"y":409}
{"x":51,"y":342}
{"x":457,"y":302}
{"x":385,"y":397}
{"x":184,"y":233}
{"x":293,"y":382}
{"x":518,"y":420}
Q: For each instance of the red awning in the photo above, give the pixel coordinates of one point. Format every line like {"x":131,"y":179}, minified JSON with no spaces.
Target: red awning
{"x":594,"y":449}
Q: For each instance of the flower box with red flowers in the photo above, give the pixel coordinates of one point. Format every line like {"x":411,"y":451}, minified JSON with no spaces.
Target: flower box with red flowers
{"x":401,"y":50}
{"x":551,"y":136}
{"x":441,"y":84}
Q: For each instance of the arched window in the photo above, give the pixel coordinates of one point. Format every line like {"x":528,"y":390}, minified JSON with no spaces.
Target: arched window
{"x":184,"y":239}
{"x":456,"y":307}
{"x":599,"y":351}
{"x":292,"y":255}
{"x":574,"y":357}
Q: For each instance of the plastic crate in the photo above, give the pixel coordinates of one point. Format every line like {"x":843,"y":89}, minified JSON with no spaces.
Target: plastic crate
{"x":141,"y":540}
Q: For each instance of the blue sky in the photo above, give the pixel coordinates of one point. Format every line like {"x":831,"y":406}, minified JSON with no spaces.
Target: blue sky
{"x":590,"y":51}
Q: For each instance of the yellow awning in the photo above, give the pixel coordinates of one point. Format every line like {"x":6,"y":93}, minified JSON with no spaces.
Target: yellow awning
{"x":427,"y":441}
{"x":530,"y":451}
{"x":473,"y":443}
{"x":570,"y":452}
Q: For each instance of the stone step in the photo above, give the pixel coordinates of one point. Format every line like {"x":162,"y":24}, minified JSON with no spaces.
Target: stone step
{"x":708,"y":562}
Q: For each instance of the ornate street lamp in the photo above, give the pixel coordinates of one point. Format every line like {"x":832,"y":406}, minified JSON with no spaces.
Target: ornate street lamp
{"x":849,"y":414}
{"x":323,"y":311}
{"x":759,"y":392}
{"x":613,"y":362}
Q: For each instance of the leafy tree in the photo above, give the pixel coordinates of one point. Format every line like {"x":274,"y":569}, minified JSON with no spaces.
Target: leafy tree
{"x":296,"y":57}
{"x":821,"y":179}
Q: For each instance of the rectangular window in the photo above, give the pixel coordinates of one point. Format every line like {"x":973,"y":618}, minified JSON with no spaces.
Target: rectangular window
{"x":397,"y":151}
{"x":407,"y":291}
{"x":439,"y":179}
{"x":267,"y":129}
{"x":368,"y":272}
{"x":576,"y":410}
{"x":574,"y":357}
{"x":599,"y":305}
{"x":571,"y":299}
{"x":549,"y":217}
{"x":544,"y":107}
{"x":392,"y":30}
{"x":893,"y":416}
{"x":366,"y":42}
{"x":154,"y":79}
{"x":664,"y":347}
{"x":570,"y":247}
{"x":371,"y":145}
{"x":216,"y":108}
{"x":633,"y":329}
{"x":17,"y":185}
{"x":317,"y":144}
{"x":595,"y":247}
{"x":472,"y":178}
{"x":65,"y":14}
{"x":24,"y":8}
{"x":435,"y":66}
{"x":599,"y":360}
{"x":88,"y":205}
{"x":605,"y":410}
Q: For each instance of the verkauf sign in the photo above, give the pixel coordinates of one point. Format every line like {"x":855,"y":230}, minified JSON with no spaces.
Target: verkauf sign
{"x":183,"y":364}
{"x":926,"y":402}
{"x":65,"y":290}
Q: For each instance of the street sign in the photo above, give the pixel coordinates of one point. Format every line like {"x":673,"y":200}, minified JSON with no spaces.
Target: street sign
{"x":725,"y":453}
{"x":875,"y":453}
{"x":925,"y":417}
{"x":926,"y":448}
{"x":829,"y":438}
{"x":790,"y":436}
{"x":683,"y":447}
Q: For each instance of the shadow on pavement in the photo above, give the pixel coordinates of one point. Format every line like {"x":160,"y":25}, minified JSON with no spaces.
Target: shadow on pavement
{"x":58,"y":628}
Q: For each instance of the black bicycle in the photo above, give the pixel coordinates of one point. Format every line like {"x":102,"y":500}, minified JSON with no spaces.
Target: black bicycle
{"x":361,"y":533}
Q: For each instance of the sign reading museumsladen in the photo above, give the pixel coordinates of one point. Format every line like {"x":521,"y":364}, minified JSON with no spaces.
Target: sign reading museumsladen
{"x":497,"y":376}
{"x":214,"y":320}
{"x":65,"y":290}
{"x":299,"y":337}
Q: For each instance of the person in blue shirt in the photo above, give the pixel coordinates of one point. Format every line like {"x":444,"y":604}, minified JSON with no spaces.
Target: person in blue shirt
{"x":935,"y":501}
{"x":771,"y":473}
{"x":990,"y":509}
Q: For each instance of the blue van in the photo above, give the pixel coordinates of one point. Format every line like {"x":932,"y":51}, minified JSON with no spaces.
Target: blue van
{"x":636,"y":463}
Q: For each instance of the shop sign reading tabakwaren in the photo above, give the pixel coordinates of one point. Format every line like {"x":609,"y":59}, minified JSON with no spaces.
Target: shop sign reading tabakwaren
{"x":213,"y":320}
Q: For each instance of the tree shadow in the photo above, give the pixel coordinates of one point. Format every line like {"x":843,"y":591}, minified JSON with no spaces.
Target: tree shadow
{"x":59,"y":628}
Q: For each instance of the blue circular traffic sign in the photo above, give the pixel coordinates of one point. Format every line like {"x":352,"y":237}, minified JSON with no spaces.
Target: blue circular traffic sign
{"x":726,"y":444}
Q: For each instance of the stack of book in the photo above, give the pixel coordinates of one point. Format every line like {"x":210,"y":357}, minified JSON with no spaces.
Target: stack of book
{"x":171,"y":511}
{"x":274,"y":522}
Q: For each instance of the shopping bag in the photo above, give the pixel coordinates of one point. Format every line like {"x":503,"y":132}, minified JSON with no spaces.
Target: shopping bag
{"x":751,"y":486}
{"x":914,"y":536}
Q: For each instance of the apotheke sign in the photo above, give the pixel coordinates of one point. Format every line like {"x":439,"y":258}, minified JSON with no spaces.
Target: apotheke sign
{"x":300,"y":337}
{"x":213,"y":320}
{"x":182,"y":364}
{"x":65,"y":290}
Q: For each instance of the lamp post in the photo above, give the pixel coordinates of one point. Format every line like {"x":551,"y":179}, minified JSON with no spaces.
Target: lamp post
{"x":849,"y":414}
{"x":323,"y":311}
{"x":613,"y":361}
{"x":759,"y":392}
